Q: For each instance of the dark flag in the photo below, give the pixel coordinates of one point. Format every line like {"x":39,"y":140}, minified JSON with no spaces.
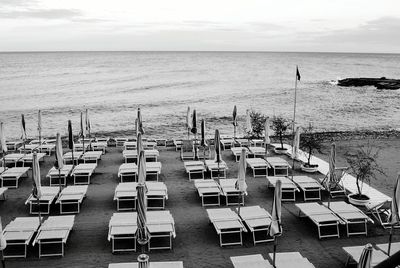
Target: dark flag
{"x":297,"y":74}
{"x":70,"y":136}
{"x":194,"y":125}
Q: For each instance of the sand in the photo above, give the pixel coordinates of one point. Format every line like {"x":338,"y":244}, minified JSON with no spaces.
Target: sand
{"x":196,"y":244}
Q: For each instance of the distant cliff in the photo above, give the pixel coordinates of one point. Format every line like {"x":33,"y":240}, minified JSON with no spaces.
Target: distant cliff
{"x":379,"y":83}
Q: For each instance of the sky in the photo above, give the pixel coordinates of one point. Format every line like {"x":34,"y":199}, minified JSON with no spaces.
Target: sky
{"x":202,"y":25}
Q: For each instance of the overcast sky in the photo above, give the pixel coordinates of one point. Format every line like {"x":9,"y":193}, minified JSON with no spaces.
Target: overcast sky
{"x":244,"y":25}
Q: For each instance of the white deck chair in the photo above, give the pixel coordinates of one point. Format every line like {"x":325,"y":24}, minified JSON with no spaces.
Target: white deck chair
{"x":257,"y":220}
{"x":54,"y":175}
{"x":120,"y":141}
{"x":47,"y":148}
{"x":354,"y":254}
{"x":322,"y":217}
{"x":122,"y":231}
{"x":259,"y":167}
{"x":214,"y":168}
{"x":161,"y":226}
{"x":18,"y":234}
{"x":250,"y":261}
{"x":127,"y":170}
{"x":92,"y":156}
{"x":289,"y":188}
{"x":351,"y":216}
{"x":28,"y":158}
{"x":161,"y":264}
{"x":125,"y":195}
{"x":291,"y":259}
{"x":381,"y":211}
{"x":71,"y":196}
{"x":13,"y":158}
{"x":187,"y":150}
{"x":100,"y":145}
{"x":280,"y":166}
{"x":78,"y":147}
{"x":13,"y":145}
{"x":237,"y":151}
{"x":131,"y":155}
{"x":29,"y":148}
{"x":83,"y":172}
{"x":67,"y":157}
{"x":10,"y":177}
{"x":230,"y":192}
{"x":52,"y":233}
{"x":208,"y":190}
{"x":194,"y":167}
{"x":257,"y":151}
{"x":49,"y":194}
{"x":394,"y":247}
{"x":311,"y":188}
{"x":226,"y":223}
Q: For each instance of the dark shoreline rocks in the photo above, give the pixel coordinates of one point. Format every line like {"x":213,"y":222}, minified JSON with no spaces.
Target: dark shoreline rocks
{"x":379,"y":83}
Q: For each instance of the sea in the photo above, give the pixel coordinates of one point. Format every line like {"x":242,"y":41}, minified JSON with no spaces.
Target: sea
{"x":112,"y":85}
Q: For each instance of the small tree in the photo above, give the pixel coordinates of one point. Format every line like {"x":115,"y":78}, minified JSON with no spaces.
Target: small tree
{"x":310,"y":142}
{"x":257,"y":124}
{"x":363,"y":165}
{"x":280,"y":125}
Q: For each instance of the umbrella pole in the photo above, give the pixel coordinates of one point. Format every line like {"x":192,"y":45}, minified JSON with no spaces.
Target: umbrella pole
{"x":234,"y":132}
{"x":3,"y":262}
{"x":218,"y":171}
{"x":83,"y":144}
{"x":390,"y":240}
{"x":274,"y":254}
{"x":40,"y":216}
{"x":240,"y":196}
{"x":73,"y":159}
{"x":59,"y":179}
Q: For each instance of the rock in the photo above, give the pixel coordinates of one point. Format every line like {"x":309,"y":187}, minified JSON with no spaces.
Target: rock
{"x":379,"y":83}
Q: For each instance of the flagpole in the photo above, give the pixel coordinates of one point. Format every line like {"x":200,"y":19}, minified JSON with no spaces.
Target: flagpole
{"x":294,"y":115}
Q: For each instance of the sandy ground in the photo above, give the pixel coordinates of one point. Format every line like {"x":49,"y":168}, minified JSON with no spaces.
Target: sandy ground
{"x":196,"y":244}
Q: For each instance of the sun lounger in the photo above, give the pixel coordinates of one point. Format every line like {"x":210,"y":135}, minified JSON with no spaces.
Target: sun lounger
{"x":208,"y":190}
{"x":127,"y":170}
{"x":130,"y":145}
{"x":153,"y":169}
{"x":243,"y":142}
{"x":257,"y":220}
{"x":13,"y":145}
{"x":322,"y":217}
{"x":164,"y":264}
{"x":55,"y":176}
{"x":226,"y":223}
{"x":131,"y":155}
{"x":177,"y":144}
{"x":47,"y":148}
{"x":279,"y":166}
{"x":394,"y":247}
{"x":351,"y":216}
{"x":125,"y":195}
{"x":120,"y":141}
{"x":259,"y":167}
{"x":52,"y":233}
{"x":78,"y":147}
{"x":71,"y":196}
{"x":28,"y":158}
{"x":49,"y":194}
{"x":291,"y":259}
{"x":382,"y":212}
{"x":232,"y":196}
{"x":187,"y":150}
{"x":12,"y":158}
{"x":354,"y":254}
{"x":3,"y":191}
{"x":105,"y":140}
{"x":92,"y":156}
{"x":213,"y":167}
{"x":194,"y":167}
{"x":226,"y":143}
{"x":309,"y":186}
{"x":18,"y":234}
{"x":289,"y":188}
{"x":28,"y":148}
{"x":250,"y":261}
{"x":68,"y":157}
{"x":257,"y":151}
{"x":83,"y":171}
{"x":99,"y":146}
{"x":10,"y":177}
{"x":237,"y":151}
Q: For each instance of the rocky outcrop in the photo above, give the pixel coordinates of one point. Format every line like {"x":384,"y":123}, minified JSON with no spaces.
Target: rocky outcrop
{"x":379,"y":83}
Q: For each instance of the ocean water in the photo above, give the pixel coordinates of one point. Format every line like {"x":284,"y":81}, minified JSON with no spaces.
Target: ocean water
{"x":113,"y":84}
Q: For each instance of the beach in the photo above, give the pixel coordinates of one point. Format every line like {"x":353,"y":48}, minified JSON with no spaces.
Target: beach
{"x":196,"y":243}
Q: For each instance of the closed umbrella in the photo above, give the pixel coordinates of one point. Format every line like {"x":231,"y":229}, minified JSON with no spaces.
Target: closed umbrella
{"x":59,"y":164}
{"x":275,"y":228}
{"x":82,"y":133}
{"x":234,"y":121}
{"x":203,"y":141}
{"x":217,"y":144}
{"x":36,"y":189}
{"x":296,"y":144}
{"x":3,"y":144}
{"x":142,"y":234}
{"x":366,"y":257}
{"x":188,"y":123}
{"x":140,"y":122}
{"x":23,"y":130}
{"x":240,"y":184}
{"x":194,"y":131}
{"x":71,"y":141}
{"x":139,"y":145}
{"x":331,"y":175}
{"x":3,"y":245}
{"x":248,"y":126}
{"x":395,"y":216}
{"x":40,"y":126}
{"x":88,"y":126}
{"x":267,"y":140}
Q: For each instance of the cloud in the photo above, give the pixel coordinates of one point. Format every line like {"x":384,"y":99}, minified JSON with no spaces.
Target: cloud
{"x":17,"y":3}
{"x":41,"y":13}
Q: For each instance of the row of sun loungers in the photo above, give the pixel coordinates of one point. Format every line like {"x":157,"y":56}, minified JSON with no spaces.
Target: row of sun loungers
{"x":30,"y":148}
{"x":128,"y":171}
{"x":282,"y":260}
{"x":9,"y":177}
{"x":123,"y":226}
{"x":199,"y":167}
{"x":125,"y":195}
{"x":15,"y":158}
{"x":211,"y":191}
{"x":131,"y":155}
{"x":164,"y":264}
{"x":330,"y":217}
{"x":51,"y":235}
